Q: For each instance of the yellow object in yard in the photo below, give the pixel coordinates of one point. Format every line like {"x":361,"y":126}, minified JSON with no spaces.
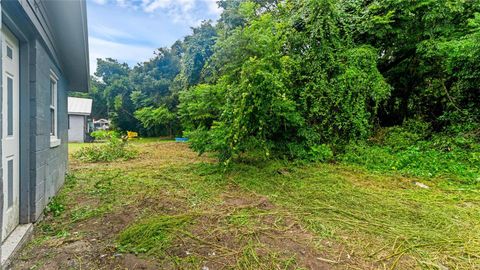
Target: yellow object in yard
{"x":132,"y":134}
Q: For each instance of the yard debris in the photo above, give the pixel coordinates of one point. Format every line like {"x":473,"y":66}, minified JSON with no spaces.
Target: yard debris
{"x":421,"y":185}
{"x":327,"y":260}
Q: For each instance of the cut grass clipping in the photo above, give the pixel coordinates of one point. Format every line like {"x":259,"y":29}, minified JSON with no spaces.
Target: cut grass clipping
{"x":151,"y":236}
{"x":401,"y":223}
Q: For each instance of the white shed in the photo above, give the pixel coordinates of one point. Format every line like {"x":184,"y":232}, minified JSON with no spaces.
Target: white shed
{"x":78,"y":111}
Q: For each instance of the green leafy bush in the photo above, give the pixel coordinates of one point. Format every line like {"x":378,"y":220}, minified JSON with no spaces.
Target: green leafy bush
{"x":102,"y":135}
{"x":114,"y":149}
{"x":325,"y":90}
{"x":321,"y":152}
{"x":159,"y":119}
{"x":201,"y":106}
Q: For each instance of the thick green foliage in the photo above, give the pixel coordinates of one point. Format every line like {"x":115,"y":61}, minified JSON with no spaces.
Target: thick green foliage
{"x":201,"y":106}
{"x":286,"y":91}
{"x":429,"y":54}
{"x":306,"y":79}
{"x":157,"y":118}
{"x":414,"y":150}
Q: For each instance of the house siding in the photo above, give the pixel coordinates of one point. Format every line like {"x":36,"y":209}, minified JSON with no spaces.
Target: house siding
{"x":48,"y":165}
{"x":42,"y":168}
{"x":52,"y":37}
{"x":1,"y":127}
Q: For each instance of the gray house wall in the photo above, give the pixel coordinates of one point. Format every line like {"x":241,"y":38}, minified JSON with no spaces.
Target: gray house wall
{"x":50,"y":164}
{"x":53,"y":36}
{"x":1,"y":127}
{"x":77,"y":127}
{"x":42,"y":168}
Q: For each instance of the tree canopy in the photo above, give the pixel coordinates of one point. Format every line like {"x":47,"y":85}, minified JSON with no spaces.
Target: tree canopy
{"x":283,"y":78}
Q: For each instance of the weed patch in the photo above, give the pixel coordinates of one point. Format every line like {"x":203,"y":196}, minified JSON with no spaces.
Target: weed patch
{"x":252,"y":257}
{"x":56,"y":206}
{"x":83,"y":213}
{"x":419,"y":154}
{"x":114,"y":149}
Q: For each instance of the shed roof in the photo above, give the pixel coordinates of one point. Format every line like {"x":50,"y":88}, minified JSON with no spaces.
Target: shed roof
{"x":79,"y":106}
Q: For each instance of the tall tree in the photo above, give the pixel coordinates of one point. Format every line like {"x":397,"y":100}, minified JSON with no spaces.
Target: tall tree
{"x":411,"y":37}
{"x":197,"y":50}
{"x":117,"y":88}
{"x":291,"y":82}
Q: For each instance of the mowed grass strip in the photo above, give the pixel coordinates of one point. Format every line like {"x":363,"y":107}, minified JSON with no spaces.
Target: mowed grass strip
{"x":183,"y":211}
{"x":381,"y":219}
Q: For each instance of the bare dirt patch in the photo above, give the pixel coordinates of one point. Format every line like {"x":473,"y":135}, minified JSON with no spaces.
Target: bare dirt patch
{"x":247,"y":231}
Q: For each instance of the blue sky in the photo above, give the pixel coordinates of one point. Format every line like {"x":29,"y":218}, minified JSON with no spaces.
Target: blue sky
{"x":131,"y":30}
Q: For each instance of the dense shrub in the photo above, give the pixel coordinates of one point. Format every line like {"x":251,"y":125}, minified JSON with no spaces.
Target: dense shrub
{"x":157,"y":119}
{"x":288,"y":92}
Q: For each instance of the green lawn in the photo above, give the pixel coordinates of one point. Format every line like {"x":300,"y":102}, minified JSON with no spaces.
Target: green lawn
{"x":73,"y":147}
{"x":170,"y":209}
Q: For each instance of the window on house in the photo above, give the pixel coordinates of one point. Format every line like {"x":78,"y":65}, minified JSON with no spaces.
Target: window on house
{"x":9,"y":52}
{"x":54,"y":139}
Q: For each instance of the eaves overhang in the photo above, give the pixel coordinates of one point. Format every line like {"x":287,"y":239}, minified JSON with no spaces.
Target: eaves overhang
{"x":68,"y":23}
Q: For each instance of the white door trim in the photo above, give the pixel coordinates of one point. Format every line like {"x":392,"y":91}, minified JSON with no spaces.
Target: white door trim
{"x":10,"y":131}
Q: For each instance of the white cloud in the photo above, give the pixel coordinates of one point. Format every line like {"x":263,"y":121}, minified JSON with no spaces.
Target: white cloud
{"x":185,"y":11}
{"x":181,"y":5}
{"x":122,"y":3}
{"x":129,"y":53}
{"x":213,"y":7}
{"x":151,"y":6}
{"x":109,"y":32}
{"x":178,"y":10}
{"x":100,"y":2}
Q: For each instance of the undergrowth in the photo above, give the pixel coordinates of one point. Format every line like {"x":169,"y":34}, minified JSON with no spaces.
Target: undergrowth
{"x":114,"y":149}
{"x":413,"y":150}
{"x":56,"y":206}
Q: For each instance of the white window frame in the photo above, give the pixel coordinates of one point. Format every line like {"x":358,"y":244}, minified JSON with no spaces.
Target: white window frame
{"x":54,"y":139}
